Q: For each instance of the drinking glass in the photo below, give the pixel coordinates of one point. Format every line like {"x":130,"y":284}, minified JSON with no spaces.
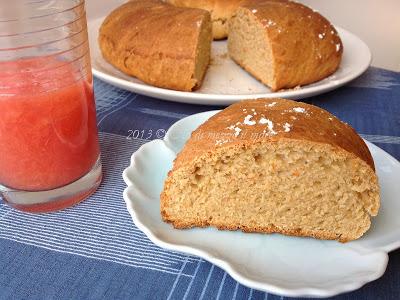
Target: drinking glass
{"x":49,"y":149}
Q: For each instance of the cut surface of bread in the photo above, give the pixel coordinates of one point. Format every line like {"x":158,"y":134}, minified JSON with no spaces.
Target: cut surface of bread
{"x":160,"y":44}
{"x":274,"y":166}
{"x":283,"y":44}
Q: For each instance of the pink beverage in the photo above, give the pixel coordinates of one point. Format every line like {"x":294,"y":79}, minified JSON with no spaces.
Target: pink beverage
{"x":49,"y":151}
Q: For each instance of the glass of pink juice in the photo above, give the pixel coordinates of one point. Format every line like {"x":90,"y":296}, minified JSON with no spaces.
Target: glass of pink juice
{"x":49,"y":150}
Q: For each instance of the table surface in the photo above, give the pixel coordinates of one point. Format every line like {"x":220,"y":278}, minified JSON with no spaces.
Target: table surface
{"x":94,"y":251}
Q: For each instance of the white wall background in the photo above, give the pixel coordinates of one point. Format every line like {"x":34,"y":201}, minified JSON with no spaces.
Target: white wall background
{"x":376,"y":22}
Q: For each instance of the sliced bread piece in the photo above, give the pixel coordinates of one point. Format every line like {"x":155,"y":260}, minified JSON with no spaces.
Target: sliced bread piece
{"x":283,"y":44}
{"x":274,"y":166}
{"x":160,"y":44}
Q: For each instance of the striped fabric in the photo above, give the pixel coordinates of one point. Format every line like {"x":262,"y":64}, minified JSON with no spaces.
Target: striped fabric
{"x":101,"y":228}
{"x":94,"y":251}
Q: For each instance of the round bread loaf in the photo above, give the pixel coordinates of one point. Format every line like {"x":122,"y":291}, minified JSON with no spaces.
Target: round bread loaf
{"x":160,"y":44}
{"x":283,"y":44}
{"x":221,"y":11}
{"x":274,"y":166}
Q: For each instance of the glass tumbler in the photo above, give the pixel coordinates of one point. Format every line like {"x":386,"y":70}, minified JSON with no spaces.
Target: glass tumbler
{"x":49,"y":149}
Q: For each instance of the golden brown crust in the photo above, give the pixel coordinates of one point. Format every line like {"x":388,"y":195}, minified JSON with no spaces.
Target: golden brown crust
{"x":137,"y":39}
{"x":305,"y":46}
{"x":221,"y":11}
{"x":305,"y":122}
{"x":318,"y":234}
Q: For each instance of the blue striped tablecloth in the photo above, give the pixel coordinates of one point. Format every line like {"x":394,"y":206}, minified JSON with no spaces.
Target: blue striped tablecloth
{"x":93,"y":250}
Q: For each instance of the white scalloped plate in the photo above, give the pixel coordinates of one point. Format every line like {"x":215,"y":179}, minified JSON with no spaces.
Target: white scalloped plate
{"x":225,"y":82}
{"x":274,"y":263}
